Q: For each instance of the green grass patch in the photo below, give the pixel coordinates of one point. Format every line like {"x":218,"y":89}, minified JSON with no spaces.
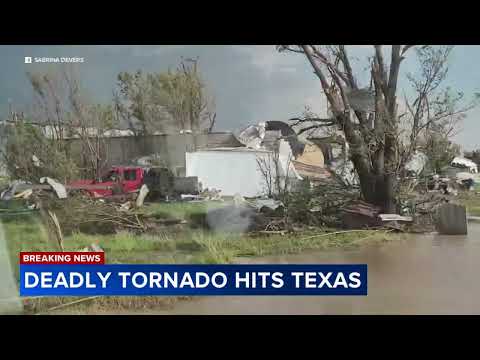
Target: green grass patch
{"x":181,"y":210}
{"x":26,"y":233}
{"x":472,"y":202}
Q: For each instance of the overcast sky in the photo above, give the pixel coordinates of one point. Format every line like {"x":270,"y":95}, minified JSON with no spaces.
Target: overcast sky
{"x":250,"y":83}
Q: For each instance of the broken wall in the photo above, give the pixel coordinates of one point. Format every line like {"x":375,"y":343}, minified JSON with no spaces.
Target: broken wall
{"x":171,"y":148}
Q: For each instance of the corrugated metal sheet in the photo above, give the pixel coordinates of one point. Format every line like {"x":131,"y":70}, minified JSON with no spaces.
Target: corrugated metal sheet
{"x":311,"y":171}
{"x":216,"y":140}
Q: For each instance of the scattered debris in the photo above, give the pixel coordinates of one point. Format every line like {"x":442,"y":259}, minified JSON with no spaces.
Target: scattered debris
{"x":395,"y":221}
{"x":191,"y":197}
{"x":465,"y":163}
{"x":93,"y":248}
{"x":395,"y":217}
{"x":345,"y":171}
{"x":360,"y":215}
{"x":141,"y":196}
{"x":271,"y":204}
{"x":416,"y":164}
{"x":211,"y":195}
{"x":125,"y":206}
{"x":452,"y":219}
{"x":252,"y":136}
{"x":10,"y":192}
{"x":57,"y":187}
{"x":24,"y":194}
{"x":150,"y":160}
{"x":36,"y":161}
{"x":312,"y":172}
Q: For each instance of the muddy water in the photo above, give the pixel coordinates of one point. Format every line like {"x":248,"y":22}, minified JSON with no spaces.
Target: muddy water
{"x":427,"y":274}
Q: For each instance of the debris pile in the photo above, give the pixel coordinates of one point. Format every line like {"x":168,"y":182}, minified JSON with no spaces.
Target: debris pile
{"x":361,"y":214}
{"x":80,"y":213}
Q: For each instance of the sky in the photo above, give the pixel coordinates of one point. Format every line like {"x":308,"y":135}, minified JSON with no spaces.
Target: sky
{"x":250,"y":83}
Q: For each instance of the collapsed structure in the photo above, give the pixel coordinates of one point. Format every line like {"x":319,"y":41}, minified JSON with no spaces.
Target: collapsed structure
{"x":271,"y":156}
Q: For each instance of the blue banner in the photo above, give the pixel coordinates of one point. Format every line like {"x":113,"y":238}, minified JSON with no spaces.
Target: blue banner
{"x":190,"y":280}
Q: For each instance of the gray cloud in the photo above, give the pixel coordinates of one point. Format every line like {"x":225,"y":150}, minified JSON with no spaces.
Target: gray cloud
{"x":250,"y":83}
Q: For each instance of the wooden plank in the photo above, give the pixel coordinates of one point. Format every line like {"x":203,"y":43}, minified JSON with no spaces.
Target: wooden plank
{"x":23,"y":187}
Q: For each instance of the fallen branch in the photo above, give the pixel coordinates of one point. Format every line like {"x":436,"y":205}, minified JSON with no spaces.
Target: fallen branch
{"x":338,"y":232}
{"x":281,"y":232}
{"x":58,"y":229}
{"x":68,"y":304}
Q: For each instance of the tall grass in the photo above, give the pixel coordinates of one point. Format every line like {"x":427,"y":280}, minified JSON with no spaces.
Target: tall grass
{"x":471,"y":200}
{"x":26,"y":233}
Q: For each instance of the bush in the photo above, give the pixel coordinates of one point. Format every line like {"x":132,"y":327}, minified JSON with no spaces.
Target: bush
{"x":26,"y":143}
{"x":318,"y":205}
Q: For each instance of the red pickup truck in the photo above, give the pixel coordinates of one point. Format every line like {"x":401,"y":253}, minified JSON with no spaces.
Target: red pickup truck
{"x":124,"y":180}
{"x":119,"y":180}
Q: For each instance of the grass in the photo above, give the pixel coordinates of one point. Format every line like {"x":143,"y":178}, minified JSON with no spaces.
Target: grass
{"x":26,"y":233}
{"x":181,"y":210}
{"x":472,"y":202}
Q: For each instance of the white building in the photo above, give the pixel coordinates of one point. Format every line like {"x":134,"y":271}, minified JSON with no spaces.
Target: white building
{"x":237,"y":170}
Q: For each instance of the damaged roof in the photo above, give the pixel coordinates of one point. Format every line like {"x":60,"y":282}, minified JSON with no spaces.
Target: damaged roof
{"x":222,"y":139}
{"x":288,"y":133}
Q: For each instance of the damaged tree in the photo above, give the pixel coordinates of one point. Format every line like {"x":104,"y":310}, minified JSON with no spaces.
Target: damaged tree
{"x":63,"y":111}
{"x":369,"y":118}
{"x":175,"y":99}
{"x":276,"y":176}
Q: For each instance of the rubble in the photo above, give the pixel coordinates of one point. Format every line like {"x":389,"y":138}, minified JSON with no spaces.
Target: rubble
{"x":452,"y":219}
{"x":141,"y":195}
{"x":10,"y":192}
{"x":345,"y":171}
{"x":271,"y":204}
{"x":465,"y":163}
{"x":24,"y":194}
{"x":395,"y":217}
{"x":361,"y":214}
{"x":56,"y":186}
{"x":252,"y":136}
{"x":81,"y":213}
{"x":36,"y":161}
{"x":92,"y":248}
{"x":211,"y":195}
{"x":416,"y":164}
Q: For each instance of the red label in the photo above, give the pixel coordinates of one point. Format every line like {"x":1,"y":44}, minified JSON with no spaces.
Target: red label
{"x":77,"y":257}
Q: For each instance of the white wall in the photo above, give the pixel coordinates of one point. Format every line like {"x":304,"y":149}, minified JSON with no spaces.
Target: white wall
{"x":233,"y":172}
{"x":228,"y":171}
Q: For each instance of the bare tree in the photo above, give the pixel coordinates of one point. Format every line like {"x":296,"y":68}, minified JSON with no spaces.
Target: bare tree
{"x":373,"y":132}
{"x":277,"y":181}
{"x":63,"y":111}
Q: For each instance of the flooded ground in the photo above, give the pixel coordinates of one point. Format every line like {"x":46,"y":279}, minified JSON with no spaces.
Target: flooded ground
{"x":424,"y":274}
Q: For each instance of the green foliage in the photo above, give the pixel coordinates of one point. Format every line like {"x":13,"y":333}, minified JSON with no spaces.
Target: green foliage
{"x":440,"y":151}
{"x":183,"y":93}
{"x":137,"y":102}
{"x":158,"y":101}
{"x":317,"y":205}
{"x":25,"y":142}
{"x":62,"y":106}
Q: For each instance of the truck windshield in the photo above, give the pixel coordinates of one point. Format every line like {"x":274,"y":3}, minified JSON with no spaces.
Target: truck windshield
{"x":130,"y":175}
{"x":110,"y":176}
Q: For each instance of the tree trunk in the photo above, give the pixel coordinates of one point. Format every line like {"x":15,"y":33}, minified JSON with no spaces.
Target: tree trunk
{"x":379,"y":190}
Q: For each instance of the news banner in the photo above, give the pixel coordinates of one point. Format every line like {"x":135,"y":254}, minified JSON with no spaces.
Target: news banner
{"x":86,"y":274}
